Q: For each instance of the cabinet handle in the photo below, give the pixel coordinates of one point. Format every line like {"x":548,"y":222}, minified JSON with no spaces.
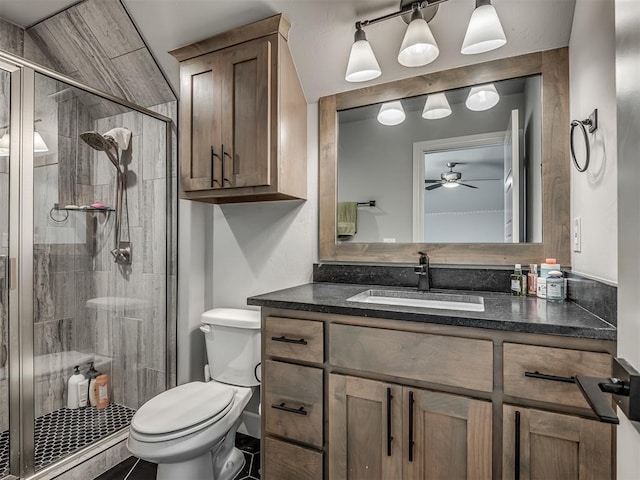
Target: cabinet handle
{"x":284,"y":339}
{"x":553,"y":378}
{"x":517,"y":447}
{"x":389,"y":436}
{"x":283,"y":406}
{"x":411,"y":402}
{"x":225,"y":154}
{"x":214,"y":155}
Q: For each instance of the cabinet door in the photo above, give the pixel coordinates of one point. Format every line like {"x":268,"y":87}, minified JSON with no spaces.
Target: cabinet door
{"x":446,"y":436}
{"x":200,"y":123}
{"x":247,"y":113}
{"x":365,"y":441}
{"x":546,"y":446}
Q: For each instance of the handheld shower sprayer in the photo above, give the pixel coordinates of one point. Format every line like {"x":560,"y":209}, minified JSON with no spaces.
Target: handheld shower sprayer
{"x":107,"y":144}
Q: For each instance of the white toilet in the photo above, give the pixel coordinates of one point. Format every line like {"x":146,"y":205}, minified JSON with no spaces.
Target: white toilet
{"x":189,"y":431}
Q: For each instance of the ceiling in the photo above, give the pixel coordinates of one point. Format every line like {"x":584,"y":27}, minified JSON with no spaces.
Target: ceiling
{"x":322,"y":31}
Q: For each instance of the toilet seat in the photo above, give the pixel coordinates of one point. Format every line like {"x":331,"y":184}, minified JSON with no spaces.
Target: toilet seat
{"x":182,"y":410}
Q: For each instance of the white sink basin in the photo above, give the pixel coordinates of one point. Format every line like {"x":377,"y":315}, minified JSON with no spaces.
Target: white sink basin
{"x":444,"y":301}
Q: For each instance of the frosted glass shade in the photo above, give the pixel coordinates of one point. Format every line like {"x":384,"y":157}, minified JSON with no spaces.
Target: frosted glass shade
{"x":418,"y":46}
{"x":391,"y":113}
{"x":38,"y":143}
{"x":451,"y":184}
{"x":482,"y":97}
{"x":4,"y":145}
{"x":436,"y":106}
{"x":484,"y":32}
{"x":362,"y":64}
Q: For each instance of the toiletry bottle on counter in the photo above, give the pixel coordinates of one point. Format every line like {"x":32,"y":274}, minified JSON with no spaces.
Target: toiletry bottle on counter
{"x":555,"y":286}
{"x":518,"y":281}
{"x":102,"y":391}
{"x":92,"y":375}
{"x":83,"y":393}
{"x":72,"y":388}
{"x":532,"y":280}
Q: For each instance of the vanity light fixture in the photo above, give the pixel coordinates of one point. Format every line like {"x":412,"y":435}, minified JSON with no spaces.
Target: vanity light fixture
{"x":391,"y":113}
{"x":436,"y":106}
{"x":482,"y":97}
{"x":419,"y":46}
{"x":484,"y":32}
{"x":39,"y":146}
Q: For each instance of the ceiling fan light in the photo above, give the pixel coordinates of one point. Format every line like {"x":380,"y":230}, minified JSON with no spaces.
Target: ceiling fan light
{"x":450,"y":184}
{"x":362,"y":65}
{"x":437,"y":106}
{"x":484,"y":32}
{"x":482,"y":97}
{"x":418,"y":47}
{"x":391,"y":113}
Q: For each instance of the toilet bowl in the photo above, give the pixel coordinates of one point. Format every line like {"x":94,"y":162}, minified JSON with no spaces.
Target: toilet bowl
{"x":189,"y":430}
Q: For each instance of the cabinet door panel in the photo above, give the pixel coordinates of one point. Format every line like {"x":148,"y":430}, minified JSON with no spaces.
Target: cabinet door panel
{"x":200,"y":119}
{"x":247,"y":114}
{"x":555,"y":446}
{"x":359,"y":427}
{"x":451,"y":435}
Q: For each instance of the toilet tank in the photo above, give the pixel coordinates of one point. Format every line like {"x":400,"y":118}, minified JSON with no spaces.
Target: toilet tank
{"x":232,"y":338}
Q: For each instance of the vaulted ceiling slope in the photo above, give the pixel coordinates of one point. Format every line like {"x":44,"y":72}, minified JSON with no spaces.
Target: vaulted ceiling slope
{"x":96,"y":43}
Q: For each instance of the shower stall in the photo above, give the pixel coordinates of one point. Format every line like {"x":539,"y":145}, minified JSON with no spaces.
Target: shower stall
{"x":87,"y":263}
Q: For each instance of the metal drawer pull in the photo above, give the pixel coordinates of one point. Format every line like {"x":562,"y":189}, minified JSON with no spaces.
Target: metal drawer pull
{"x":283,"y":406}
{"x":553,"y":378}
{"x":284,"y":339}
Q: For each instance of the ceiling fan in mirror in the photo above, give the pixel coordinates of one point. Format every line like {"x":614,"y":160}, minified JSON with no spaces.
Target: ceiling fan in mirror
{"x":452,"y":179}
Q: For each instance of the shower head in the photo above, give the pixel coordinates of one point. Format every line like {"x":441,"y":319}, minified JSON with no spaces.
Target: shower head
{"x":101,"y":143}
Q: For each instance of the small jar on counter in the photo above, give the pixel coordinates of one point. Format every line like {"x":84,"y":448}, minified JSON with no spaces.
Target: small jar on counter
{"x":555,"y":286}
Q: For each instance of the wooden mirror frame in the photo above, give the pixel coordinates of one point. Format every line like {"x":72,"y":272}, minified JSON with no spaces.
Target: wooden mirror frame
{"x":554,"y":67}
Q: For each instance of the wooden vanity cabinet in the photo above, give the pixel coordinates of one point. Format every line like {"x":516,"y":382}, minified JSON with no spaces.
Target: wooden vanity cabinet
{"x":242,"y":117}
{"x":412,"y":400}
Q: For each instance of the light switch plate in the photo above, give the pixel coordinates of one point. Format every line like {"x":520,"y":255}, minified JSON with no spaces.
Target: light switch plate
{"x":577,"y":234}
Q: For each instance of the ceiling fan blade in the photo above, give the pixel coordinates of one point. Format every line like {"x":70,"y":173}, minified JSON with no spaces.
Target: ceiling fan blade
{"x":433,"y":187}
{"x":483,"y":179}
{"x":465,"y":185}
{"x":432,"y":180}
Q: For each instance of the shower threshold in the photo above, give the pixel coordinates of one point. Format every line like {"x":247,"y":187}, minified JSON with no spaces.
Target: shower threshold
{"x":62,"y":432}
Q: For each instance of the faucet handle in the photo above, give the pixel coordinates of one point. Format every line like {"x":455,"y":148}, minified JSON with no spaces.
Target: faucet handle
{"x":424,"y":258}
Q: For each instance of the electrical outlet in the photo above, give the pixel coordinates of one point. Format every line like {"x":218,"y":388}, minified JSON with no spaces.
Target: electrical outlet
{"x":577,"y":234}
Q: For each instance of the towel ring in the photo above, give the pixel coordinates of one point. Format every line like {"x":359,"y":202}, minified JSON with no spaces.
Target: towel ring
{"x":592,"y":122}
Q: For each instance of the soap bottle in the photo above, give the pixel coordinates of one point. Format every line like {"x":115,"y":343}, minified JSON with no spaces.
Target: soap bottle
{"x":102,"y":391}
{"x":555,"y":286}
{"x":92,"y":375}
{"x":72,"y":388}
{"x":83,"y":393}
{"x":518,"y":281}
{"x":532,"y":280}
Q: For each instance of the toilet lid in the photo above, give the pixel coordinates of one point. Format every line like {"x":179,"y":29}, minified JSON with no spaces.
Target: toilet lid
{"x":182,"y":407}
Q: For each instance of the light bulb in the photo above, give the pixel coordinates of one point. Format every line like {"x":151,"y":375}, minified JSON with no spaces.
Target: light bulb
{"x":391,"y":113}
{"x":484,"y":32}
{"x":482,"y":97}
{"x":418,"y":45}
{"x":436,"y":106}
{"x":450,"y":184}
{"x":362,"y":65}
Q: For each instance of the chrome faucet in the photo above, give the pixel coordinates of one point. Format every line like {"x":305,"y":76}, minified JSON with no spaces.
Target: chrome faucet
{"x":422,"y":270}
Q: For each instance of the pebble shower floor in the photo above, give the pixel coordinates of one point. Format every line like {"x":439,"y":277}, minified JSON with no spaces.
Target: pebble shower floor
{"x":63,"y":432}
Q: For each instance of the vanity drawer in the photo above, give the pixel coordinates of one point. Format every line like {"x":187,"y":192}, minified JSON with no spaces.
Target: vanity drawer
{"x":293,"y":402}
{"x":285,"y":461}
{"x":294,"y":339}
{"x":460,"y":362}
{"x":557,"y":363}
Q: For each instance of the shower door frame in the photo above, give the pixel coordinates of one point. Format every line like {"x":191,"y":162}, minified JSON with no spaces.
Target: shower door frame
{"x":21,"y":250}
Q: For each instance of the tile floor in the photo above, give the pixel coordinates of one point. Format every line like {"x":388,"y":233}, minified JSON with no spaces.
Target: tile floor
{"x":147,"y":471}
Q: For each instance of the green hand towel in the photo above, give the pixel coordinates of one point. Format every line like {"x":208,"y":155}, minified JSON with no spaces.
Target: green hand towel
{"x":347,"y":219}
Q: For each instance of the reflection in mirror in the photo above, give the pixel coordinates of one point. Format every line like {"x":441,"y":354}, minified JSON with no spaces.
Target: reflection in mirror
{"x":454,"y":175}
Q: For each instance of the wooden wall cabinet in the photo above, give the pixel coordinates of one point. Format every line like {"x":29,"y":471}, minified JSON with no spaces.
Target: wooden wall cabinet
{"x":243,"y":117}
{"x":411,"y":400}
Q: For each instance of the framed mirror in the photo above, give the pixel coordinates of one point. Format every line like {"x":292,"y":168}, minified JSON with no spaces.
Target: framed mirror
{"x":388,"y":191}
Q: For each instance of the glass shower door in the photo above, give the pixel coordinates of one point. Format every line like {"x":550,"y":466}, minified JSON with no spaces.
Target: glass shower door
{"x":5,"y":94}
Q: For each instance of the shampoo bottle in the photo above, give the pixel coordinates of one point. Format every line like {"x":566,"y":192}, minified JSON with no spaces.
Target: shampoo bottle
{"x":83,"y":393}
{"x":102,"y":391}
{"x":92,"y":375}
{"x":72,"y":388}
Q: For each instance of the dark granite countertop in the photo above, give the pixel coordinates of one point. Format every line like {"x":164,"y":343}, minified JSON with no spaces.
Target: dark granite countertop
{"x":502,"y":311}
